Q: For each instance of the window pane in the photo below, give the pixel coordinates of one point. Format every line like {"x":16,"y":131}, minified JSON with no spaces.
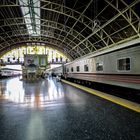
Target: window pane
{"x":85,"y":67}
{"x":124,"y":64}
{"x":78,"y":68}
{"x":72,"y":69}
{"x":99,"y":66}
{"x":67,"y":70}
{"x":127,"y":63}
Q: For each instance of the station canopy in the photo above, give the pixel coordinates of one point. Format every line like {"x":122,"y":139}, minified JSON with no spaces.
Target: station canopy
{"x":74,"y":27}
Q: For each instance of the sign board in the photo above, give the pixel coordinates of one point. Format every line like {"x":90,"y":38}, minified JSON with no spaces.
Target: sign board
{"x":36,"y":59}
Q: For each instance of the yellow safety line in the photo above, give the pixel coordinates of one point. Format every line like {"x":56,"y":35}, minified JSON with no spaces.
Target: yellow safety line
{"x":123,"y":102}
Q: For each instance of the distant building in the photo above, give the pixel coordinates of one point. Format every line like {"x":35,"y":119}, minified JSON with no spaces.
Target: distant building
{"x":34,"y":66}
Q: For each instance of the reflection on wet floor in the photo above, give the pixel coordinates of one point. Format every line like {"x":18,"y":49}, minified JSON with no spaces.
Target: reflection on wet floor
{"x":36,"y":94}
{"x":50,"y":110}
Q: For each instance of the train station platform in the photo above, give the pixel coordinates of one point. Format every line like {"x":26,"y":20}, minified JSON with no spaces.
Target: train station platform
{"x":52,"y":110}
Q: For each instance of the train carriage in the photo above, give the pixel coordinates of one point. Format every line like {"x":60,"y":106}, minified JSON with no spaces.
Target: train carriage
{"x":5,"y":72}
{"x":119,"y":67}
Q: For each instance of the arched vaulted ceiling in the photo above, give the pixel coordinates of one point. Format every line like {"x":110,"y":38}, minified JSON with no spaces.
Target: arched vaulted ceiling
{"x":76,"y":27}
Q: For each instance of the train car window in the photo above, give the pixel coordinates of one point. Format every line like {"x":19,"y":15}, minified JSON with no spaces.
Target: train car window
{"x":123,"y":64}
{"x":78,"y":68}
{"x":71,"y":69}
{"x":67,"y":69}
{"x":99,"y":66}
{"x":85,"y":67}
{"x":8,"y":59}
{"x":60,"y":59}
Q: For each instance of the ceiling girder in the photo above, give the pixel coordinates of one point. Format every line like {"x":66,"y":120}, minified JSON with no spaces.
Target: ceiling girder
{"x":108,"y":22}
{"x":76,"y":43}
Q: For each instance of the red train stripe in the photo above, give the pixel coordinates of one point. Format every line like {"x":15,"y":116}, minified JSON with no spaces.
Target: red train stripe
{"x":128,"y":79}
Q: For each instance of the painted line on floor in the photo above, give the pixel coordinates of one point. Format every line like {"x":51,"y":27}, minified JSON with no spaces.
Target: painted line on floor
{"x":123,"y":102}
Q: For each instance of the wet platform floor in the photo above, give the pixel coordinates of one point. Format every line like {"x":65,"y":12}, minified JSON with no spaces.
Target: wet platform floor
{"x":51,"y":110}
